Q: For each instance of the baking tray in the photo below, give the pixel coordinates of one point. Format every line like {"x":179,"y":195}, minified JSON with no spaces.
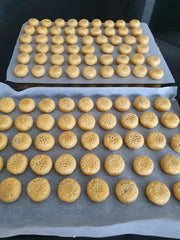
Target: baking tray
{"x":154,"y":50}
{"x":84,"y":217}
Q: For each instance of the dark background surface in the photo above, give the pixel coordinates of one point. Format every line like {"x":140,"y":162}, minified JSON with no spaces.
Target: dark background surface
{"x":164,"y":24}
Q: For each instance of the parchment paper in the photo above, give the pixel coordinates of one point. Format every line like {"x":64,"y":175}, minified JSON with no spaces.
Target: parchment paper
{"x":84,"y":217}
{"x":154,"y":50}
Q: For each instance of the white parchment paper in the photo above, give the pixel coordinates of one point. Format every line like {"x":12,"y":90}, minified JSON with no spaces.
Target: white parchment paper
{"x":154,"y":50}
{"x":84,"y":217}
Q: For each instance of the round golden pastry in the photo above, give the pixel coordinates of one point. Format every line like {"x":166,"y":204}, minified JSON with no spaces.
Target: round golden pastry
{"x":82,"y":31}
{"x":65,"y":164}
{"x":126,"y":191}
{"x":74,"y":59}
{"x":130,"y":40}
{"x":115,"y":40}
{"x":20,"y":70}
{"x":46,"y":23}
{"x":55,"y":30}
{"x":175,"y":143}
{"x":137,"y":31}
{"x":125,"y":49}
{"x":129,"y":120}
{"x":42,"y":30}
{"x":72,"y":23}
{"x":72,"y":71}
{"x":170,"y":164}
{"x":90,"y":140}
{"x":87,"y":40}
{"x":104,"y":104}
{"x":83,"y":23}
{"x":87,"y":49}
{"x":41,"y":39}
{"x":124,"y":59}
{"x":17,"y":164}
{"x":38,"y":189}
{"x":44,"y":142}
{"x":89,"y":72}
{"x":23,"y":122}
{"x":69,"y":190}
{"x":143,"y":39}
{"x":55,"y":72}
{"x":107,"y":48}
{"x":42,"y":48}
{"x":40,"y":58}
{"x":143,"y":165}
{"x":162,"y":104}
{"x":109,"y":31}
{"x":141,"y":103}
{"x":1,"y":163}
{"x":29,"y":29}
{"x":73,"y":49}
{"x":67,"y":140}
{"x":86,"y":122}
{"x":46,"y":105}
{"x":85,"y":104}
{"x":23,"y":58}
{"x":6,"y":122}
{"x":106,"y":59}
{"x":90,"y":164}
{"x":122,"y":31}
{"x":26,"y":105}
{"x":139,"y":71}
{"x":58,"y":39}
{"x":71,"y":39}
{"x":60,"y":22}
{"x":57,"y":59}
{"x":95,"y":31}
{"x":156,"y":141}
{"x":25,"y":48}
{"x":158,"y":193}
{"x":142,"y":48}
{"x":25,"y":38}
{"x":120,"y":23}
{"x":169,"y":120}
{"x":33,"y":22}
{"x":113,"y":141}
{"x":97,"y":190}
{"x":176,"y":190}
{"x":3,"y":141}
{"x":122,"y":104}
{"x":123,"y":70}
{"x":38,"y":71}
{"x":153,"y":61}
{"x":134,"y":140}
{"x":101,"y":39}
{"x":41,"y":164}
{"x":7,"y":105}
{"x":106,"y":71}
{"x":114,"y":165}
{"x":90,"y":59}
{"x":96,"y":23}
{"x":134,"y":23}
{"x":57,"y":49}
{"x":66,"y":104}
{"x":21,"y":141}
{"x":10,"y":190}
{"x":45,"y":122}
{"x":149,"y":119}
{"x":137,"y":59}
{"x":107,"y":121}
{"x":69,"y":30}
{"x":156,"y":73}
{"x":66,"y":122}
{"x":108,"y":23}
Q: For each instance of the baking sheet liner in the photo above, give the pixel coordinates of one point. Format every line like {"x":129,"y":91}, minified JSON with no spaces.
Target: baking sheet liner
{"x":84,"y":217}
{"x":154,"y":50}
